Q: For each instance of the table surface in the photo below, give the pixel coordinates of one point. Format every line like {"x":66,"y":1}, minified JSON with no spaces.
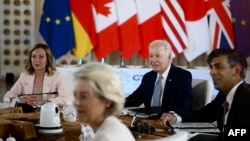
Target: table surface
{"x":72,"y":130}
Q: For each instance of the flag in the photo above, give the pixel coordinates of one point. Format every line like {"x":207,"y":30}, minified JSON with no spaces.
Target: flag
{"x":173,"y":22}
{"x":56,"y":27}
{"x":220,"y":24}
{"x":241,"y":24}
{"x":84,"y":27}
{"x":128,"y":28}
{"x":105,"y":18}
{"x":149,"y":18}
{"x":197,"y":28}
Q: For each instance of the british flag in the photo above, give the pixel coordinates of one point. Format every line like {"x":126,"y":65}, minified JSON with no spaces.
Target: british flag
{"x":220,"y":24}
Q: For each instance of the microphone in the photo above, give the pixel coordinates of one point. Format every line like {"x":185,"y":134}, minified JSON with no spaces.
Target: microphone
{"x":172,"y":130}
{"x":37,"y":94}
{"x":141,"y":126}
{"x":133,"y":120}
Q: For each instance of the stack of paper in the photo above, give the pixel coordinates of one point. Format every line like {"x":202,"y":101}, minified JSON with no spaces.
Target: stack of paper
{"x":196,"y":127}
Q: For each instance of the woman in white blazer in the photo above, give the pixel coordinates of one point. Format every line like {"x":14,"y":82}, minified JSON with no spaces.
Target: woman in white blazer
{"x":99,"y":97}
{"x":40,"y":82}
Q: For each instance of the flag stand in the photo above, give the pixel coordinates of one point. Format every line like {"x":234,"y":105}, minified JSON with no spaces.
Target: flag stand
{"x":102,"y":60}
{"x":122,"y":64}
{"x":80,"y":62}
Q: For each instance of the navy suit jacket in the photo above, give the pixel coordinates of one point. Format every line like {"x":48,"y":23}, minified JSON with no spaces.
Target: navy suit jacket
{"x":238,"y":116}
{"x":177,"y":95}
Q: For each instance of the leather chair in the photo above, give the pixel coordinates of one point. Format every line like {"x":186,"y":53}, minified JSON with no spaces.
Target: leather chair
{"x":202,"y":92}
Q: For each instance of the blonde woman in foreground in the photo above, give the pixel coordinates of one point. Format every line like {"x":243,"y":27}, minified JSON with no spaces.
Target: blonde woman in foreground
{"x":98,"y":99}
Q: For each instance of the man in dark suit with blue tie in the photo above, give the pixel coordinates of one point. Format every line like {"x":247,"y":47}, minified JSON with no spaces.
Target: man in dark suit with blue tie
{"x":175,"y":92}
{"x":231,"y":107}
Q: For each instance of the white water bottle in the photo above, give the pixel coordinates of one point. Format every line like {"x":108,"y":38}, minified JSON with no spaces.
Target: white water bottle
{"x":69,"y":112}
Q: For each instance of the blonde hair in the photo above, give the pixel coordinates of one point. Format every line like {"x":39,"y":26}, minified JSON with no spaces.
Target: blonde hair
{"x":105,"y":82}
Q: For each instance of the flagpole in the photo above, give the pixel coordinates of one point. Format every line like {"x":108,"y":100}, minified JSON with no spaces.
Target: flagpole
{"x":57,"y":62}
{"x":92,"y":56}
{"x":145,"y":63}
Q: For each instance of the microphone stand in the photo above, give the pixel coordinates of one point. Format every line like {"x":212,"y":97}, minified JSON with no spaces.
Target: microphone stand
{"x":133,"y":120}
{"x":36,"y":94}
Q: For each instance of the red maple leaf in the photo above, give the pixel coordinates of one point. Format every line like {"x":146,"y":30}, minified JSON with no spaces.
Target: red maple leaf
{"x":100,"y":6}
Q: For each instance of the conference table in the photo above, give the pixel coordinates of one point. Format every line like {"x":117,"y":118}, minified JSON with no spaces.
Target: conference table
{"x":160,"y":132}
{"x":12,"y":119}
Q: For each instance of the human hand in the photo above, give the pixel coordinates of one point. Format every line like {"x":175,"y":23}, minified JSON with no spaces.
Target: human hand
{"x":167,"y":118}
{"x":28,"y":99}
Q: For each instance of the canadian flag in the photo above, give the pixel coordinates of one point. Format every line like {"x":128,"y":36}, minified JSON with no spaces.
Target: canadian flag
{"x":149,"y":18}
{"x":197,"y":28}
{"x":105,"y":17}
{"x":128,"y":28}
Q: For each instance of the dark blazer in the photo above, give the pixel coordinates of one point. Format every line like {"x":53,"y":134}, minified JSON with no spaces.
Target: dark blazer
{"x":238,"y":116}
{"x":177,"y":95}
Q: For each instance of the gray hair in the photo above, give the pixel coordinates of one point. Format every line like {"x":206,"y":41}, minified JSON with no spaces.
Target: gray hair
{"x":105,"y":82}
{"x":162,"y":43}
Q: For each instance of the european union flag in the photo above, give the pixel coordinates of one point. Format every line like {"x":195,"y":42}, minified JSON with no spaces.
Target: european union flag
{"x":241,"y":23}
{"x":56,"y":27}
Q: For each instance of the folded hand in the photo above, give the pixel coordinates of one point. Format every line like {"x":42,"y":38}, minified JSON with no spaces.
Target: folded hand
{"x":167,"y":118}
{"x":31,"y":100}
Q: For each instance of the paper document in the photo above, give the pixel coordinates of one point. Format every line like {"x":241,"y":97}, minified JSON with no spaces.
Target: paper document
{"x":197,"y":127}
{"x":141,"y":112}
{"x":203,"y":137}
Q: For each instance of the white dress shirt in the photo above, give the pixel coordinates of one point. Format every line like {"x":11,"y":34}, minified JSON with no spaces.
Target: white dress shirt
{"x":229,"y":99}
{"x":163,"y":82}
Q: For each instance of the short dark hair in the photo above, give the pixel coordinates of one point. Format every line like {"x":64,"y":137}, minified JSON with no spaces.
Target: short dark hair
{"x":50,"y":67}
{"x":234,"y":58}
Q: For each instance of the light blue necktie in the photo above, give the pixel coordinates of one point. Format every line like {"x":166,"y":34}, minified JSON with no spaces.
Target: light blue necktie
{"x":157,"y":92}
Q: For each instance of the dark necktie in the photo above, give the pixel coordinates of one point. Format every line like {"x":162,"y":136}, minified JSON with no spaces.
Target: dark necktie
{"x":225,"y":110}
{"x":157,"y":92}
{"x":226,"y":104}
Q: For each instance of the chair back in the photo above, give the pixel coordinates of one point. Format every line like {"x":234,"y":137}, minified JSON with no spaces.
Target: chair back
{"x":202,"y":93}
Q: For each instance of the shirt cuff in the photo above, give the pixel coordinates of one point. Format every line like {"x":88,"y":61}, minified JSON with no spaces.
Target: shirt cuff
{"x":178,"y":117}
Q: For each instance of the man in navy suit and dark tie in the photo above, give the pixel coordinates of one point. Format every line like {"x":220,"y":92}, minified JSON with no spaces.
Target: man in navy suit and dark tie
{"x":166,"y":86}
{"x":231,"y":107}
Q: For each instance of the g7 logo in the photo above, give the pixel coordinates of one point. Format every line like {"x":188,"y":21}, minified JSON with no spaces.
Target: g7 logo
{"x":137,"y":77}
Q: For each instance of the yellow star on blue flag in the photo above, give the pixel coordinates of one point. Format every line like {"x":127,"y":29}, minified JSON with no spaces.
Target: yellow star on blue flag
{"x":56,"y":27}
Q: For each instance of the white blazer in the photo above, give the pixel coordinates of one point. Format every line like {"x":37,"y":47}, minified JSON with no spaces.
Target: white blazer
{"x":54,"y":83}
{"x":112,"y":129}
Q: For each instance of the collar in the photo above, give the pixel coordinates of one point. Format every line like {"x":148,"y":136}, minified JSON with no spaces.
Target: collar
{"x":231,"y":93}
{"x":165,"y":73}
